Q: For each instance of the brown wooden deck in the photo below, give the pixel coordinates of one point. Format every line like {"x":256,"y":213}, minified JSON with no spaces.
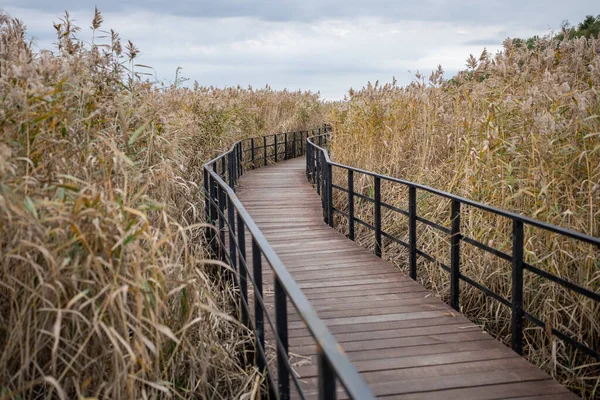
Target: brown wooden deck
{"x":405,"y":342}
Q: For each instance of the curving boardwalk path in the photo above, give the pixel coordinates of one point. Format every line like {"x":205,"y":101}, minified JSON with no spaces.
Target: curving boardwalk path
{"x":405,"y":342}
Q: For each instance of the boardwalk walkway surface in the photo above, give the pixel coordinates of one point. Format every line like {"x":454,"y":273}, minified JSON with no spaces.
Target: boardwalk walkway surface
{"x":404,"y":341}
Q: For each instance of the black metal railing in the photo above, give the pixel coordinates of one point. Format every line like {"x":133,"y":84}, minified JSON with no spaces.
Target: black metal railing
{"x":319,"y":172}
{"x":225,"y":211}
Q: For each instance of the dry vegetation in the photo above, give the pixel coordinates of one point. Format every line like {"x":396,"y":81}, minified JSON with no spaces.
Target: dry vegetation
{"x":105,"y":290}
{"x":519,"y":130}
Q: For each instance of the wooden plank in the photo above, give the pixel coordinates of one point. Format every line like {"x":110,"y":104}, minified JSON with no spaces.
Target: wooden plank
{"x":387,"y":287}
{"x":332,"y":305}
{"x":399,"y":342}
{"x":398,"y":329}
{"x":420,"y":361}
{"x":385,"y":299}
{"x":409,"y":374}
{"x":379,"y":311}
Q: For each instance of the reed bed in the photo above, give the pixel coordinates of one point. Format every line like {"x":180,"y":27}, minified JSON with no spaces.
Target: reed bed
{"x":519,"y":130}
{"x":106,"y":289}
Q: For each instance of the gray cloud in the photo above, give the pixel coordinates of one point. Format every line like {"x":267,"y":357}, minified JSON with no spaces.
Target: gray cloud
{"x":313,"y":45}
{"x":534,"y":13}
{"x":483,"y":42}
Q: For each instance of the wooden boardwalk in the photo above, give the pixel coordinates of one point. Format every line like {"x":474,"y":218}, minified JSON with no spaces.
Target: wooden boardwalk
{"x":404,"y":341}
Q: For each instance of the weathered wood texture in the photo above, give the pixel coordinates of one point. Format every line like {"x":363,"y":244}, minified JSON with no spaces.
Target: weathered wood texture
{"x":405,"y":342}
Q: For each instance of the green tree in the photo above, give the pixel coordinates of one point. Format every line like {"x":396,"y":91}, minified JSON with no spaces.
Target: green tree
{"x":590,"y":27}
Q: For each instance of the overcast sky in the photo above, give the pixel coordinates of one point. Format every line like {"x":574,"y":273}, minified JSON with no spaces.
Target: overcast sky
{"x":318,"y":45}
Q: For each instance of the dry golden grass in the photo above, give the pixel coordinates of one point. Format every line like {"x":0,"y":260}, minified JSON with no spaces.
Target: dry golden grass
{"x":105,"y":286}
{"x":519,"y":130}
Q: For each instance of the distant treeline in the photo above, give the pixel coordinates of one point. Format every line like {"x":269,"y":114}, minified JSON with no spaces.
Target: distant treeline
{"x":589,"y":28}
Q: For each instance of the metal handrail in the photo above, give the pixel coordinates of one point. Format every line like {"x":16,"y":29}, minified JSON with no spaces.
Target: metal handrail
{"x":224,"y":210}
{"x":319,"y":173}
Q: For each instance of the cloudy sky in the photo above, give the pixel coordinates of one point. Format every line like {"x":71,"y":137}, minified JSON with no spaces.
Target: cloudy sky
{"x":318,"y":45}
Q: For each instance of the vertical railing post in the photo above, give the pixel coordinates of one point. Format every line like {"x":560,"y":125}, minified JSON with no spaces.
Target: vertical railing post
{"x":313,"y":165}
{"x":308,"y":165}
{"x":206,"y":201}
{"x":316,"y":164}
{"x":318,"y":170}
{"x":232,"y":238}
{"x":326,"y":378}
{"x":207,"y":217}
{"x":230,"y":169}
{"x":241,"y":232}
{"x":252,"y":151}
{"x":323,"y":185}
{"x":377,"y":211}
{"x":232,"y":166}
{"x":265,"y":149}
{"x":455,"y":256}
{"x":517,"y":287}
{"x":223,"y":167}
{"x":236,"y":163}
{"x":213,"y":214}
{"x":350,"y":204}
{"x":240,"y":163}
{"x":412,"y":231}
{"x":329,"y":170}
{"x":283,"y":374}
{"x":285,"y":146}
{"x":275,"y":147}
{"x":222,"y":200}
{"x":238,"y":159}
{"x":258,"y":311}
{"x":309,"y":162}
